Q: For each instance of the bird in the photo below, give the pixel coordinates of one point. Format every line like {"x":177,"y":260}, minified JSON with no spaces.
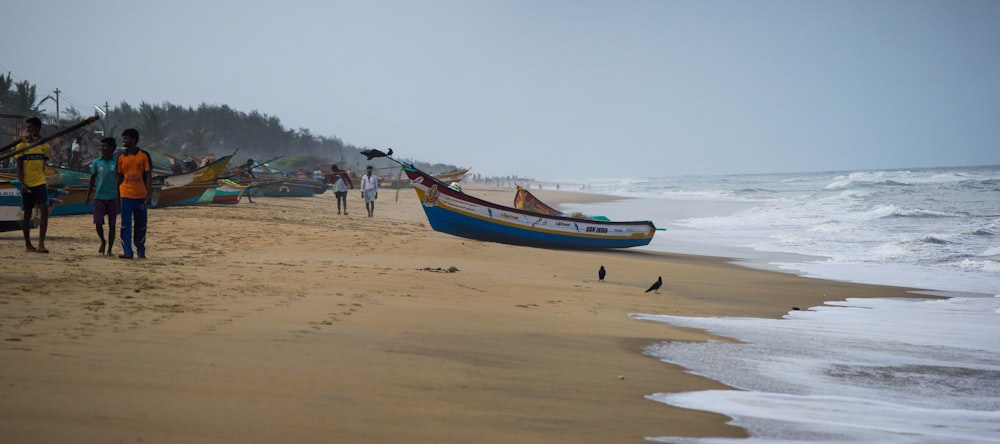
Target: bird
{"x":373,"y":153}
{"x":655,"y":288}
{"x":601,"y":273}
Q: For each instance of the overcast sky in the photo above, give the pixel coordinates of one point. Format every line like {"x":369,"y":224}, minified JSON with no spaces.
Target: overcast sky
{"x":552,"y":89}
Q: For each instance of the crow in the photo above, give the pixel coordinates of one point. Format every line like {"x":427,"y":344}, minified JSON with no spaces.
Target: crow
{"x":655,"y":288}
{"x":601,"y":273}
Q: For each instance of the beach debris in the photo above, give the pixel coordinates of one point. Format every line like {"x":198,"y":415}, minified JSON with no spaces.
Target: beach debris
{"x":450,"y":269}
{"x":656,"y":285}
{"x":621,"y":376}
{"x":601,"y":273}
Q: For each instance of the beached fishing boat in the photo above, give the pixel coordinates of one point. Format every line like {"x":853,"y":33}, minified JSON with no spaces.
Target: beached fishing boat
{"x":228,"y":192}
{"x":291,"y":186}
{"x":188,"y":188}
{"x":10,"y":206}
{"x":455,"y":175}
{"x":450,"y":210}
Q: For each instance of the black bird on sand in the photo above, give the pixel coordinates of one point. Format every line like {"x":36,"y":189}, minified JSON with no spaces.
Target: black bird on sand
{"x":655,"y":288}
{"x":601,"y":273}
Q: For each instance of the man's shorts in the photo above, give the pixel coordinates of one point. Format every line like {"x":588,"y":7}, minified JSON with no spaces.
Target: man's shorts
{"x":340,"y":194}
{"x":105,"y":207}
{"x":34,"y":196}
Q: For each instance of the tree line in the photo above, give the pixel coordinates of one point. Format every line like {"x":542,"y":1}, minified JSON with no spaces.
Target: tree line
{"x":183,"y":132}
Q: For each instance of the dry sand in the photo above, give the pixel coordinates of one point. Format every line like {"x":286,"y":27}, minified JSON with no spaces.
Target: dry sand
{"x":281,"y":321}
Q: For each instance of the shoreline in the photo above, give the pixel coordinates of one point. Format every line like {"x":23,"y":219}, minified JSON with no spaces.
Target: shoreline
{"x":282,"y":320}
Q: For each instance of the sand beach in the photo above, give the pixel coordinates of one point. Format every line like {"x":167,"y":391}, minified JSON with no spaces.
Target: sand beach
{"x":281,"y":321}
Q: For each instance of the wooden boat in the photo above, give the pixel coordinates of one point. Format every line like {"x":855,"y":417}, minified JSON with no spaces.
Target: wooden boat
{"x":451,"y":211}
{"x":10,"y":206}
{"x":228,"y":192}
{"x":71,"y":200}
{"x":291,"y":187}
{"x":455,"y":175}
{"x":188,"y":188}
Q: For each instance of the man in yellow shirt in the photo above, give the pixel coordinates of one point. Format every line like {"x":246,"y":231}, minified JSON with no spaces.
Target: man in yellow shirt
{"x":34,"y":192}
{"x":135,"y":179}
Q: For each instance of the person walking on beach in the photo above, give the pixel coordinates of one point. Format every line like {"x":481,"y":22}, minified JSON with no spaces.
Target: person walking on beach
{"x":369,"y":190}
{"x":135,"y":188}
{"x":34,"y":192}
{"x":104,"y":178}
{"x":247,"y":178}
{"x":340,"y":181}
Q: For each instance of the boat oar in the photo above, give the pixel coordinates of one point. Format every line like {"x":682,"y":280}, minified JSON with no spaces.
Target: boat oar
{"x":11,"y":145}
{"x":59,"y":133}
{"x":253,"y":166}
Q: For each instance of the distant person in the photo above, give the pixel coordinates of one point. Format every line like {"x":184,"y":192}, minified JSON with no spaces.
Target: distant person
{"x":76,"y":154}
{"x":340,"y":180}
{"x":31,"y":176}
{"x":135,"y":188}
{"x":104,"y":178}
{"x":247,"y":177}
{"x":369,"y":190}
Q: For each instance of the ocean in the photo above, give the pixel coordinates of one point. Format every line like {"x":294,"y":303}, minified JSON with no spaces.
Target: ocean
{"x":862,"y":370}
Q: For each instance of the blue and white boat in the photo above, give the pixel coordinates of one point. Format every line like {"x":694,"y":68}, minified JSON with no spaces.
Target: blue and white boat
{"x":450,"y":210}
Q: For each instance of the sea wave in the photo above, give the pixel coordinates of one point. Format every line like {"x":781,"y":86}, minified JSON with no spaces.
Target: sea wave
{"x":888,"y":211}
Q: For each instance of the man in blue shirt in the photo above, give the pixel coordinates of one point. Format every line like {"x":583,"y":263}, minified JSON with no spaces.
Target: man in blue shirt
{"x":103,"y":178}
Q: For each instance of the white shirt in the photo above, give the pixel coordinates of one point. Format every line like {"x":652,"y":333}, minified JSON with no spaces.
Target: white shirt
{"x":369,"y":182}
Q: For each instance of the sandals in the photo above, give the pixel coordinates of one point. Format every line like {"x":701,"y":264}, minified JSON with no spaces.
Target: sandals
{"x":41,"y":250}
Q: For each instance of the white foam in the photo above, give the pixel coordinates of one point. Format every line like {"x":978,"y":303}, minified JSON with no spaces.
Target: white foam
{"x":862,"y":370}
{"x":778,"y":418}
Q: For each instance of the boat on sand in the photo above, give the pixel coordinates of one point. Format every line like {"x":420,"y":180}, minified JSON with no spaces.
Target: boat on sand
{"x":450,"y":210}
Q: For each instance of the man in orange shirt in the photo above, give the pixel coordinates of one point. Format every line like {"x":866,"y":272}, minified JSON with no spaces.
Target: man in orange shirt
{"x":135,"y":190}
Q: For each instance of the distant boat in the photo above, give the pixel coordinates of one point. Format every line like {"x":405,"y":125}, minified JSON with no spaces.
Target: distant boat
{"x":456,"y":175}
{"x":449,"y":210}
{"x":292,"y":186}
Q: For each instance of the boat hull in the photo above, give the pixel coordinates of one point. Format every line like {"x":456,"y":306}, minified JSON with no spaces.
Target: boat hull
{"x":11,"y":214}
{"x":190,"y":188}
{"x":228,"y":192}
{"x":456,"y":213}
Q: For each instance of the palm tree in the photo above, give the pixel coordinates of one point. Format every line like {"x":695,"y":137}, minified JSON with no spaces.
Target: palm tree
{"x":6,"y":82}
{"x":152,"y":130}
{"x":197,"y":140}
{"x":19,"y":101}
